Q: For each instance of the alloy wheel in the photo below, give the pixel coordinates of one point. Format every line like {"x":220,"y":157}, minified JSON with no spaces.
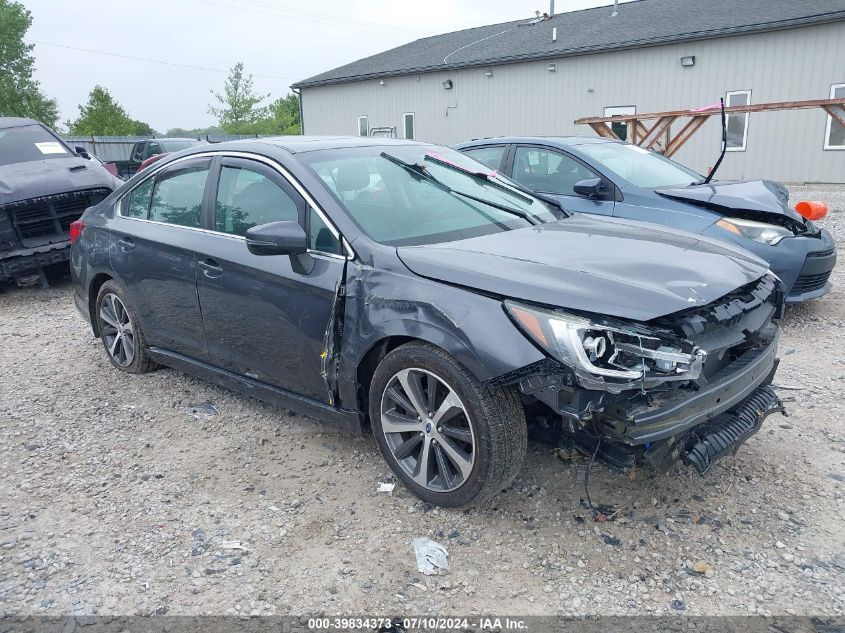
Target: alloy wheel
{"x":428,"y":430}
{"x":117,"y":330}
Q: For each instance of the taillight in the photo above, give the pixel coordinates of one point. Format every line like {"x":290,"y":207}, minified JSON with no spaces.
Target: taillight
{"x":76,"y":230}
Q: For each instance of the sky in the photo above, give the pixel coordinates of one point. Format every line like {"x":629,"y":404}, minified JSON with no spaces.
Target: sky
{"x":279,"y":42}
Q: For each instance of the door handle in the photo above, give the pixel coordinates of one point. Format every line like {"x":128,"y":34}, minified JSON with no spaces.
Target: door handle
{"x":126,"y":244}
{"x":210,"y":268}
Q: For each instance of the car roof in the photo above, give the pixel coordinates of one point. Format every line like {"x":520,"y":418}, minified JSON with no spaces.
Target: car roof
{"x":16,"y":121}
{"x":173,"y":138}
{"x":298,"y":144}
{"x":559,"y":141}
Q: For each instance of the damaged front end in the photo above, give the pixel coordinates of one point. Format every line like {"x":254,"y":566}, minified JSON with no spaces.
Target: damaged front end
{"x":35,"y":232}
{"x":692,"y":385}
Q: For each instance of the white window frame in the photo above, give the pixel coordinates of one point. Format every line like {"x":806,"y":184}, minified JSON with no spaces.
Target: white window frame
{"x":745,"y":128}
{"x":829,"y":124}
{"x":366,"y":120}
{"x":405,"y":126}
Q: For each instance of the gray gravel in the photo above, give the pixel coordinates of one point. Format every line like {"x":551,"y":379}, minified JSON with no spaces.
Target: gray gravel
{"x":162,"y":494}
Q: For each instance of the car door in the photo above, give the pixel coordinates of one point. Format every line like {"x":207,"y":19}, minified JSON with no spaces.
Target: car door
{"x":266,"y":317}
{"x":153,"y":149}
{"x":555,"y":173}
{"x":136,"y":157}
{"x":153,"y":242}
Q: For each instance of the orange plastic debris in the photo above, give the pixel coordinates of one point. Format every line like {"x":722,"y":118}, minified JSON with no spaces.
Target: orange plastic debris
{"x":812,"y":209}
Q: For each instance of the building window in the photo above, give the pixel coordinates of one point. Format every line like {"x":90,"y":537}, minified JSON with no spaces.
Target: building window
{"x":737,"y":123}
{"x":834,"y":135}
{"x":363,"y":126}
{"x":620,"y":128}
{"x":408,"y":124}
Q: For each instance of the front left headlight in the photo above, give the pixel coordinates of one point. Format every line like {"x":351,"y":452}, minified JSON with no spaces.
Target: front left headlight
{"x":604,"y":350}
{"x":758,"y":231}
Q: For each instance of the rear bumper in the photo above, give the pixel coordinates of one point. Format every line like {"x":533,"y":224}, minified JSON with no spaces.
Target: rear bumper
{"x":676,"y":412}
{"x":25,"y":261}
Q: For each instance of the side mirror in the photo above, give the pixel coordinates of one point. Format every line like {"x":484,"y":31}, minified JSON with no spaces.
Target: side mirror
{"x":277,"y":238}
{"x":82,"y":152}
{"x":589,"y":188}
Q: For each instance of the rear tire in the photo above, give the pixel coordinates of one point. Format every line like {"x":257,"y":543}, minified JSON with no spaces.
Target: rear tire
{"x":452,"y":440}
{"x":120,"y":330}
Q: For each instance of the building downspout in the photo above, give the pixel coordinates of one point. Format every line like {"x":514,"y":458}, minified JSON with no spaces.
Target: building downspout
{"x":298,"y":93}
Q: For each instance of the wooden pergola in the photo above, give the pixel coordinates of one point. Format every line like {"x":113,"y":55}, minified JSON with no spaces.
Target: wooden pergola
{"x":648,"y":135}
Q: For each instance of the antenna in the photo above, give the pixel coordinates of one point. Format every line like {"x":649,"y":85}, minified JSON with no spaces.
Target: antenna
{"x":615,"y":9}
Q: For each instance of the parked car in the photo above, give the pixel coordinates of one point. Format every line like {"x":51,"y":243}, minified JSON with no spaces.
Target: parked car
{"x":142,"y":151}
{"x":391,"y":284}
{"x":44,"y":186}
{"x":612,"y":178}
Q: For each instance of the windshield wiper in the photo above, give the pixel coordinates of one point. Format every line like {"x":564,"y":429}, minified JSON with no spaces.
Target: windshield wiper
{"x":479,"y":175}
{"x":513,"y":188}
{"x":420,"y":171}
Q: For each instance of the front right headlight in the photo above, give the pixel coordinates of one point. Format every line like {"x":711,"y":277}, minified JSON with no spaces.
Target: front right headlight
{"x":758,"y":231}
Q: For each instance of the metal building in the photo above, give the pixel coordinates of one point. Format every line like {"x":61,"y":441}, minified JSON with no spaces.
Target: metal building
{"x":538,"y":75}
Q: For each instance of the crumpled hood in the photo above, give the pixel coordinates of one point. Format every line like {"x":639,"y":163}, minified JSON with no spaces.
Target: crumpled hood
{"x":33,"y":179}
{"x":612,"y":267}
{"x":752,"y":195}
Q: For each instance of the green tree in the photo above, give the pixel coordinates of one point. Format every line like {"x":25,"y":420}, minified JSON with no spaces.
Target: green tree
{"x":143,"y":129}
{"x":103,"y":116}
{"x":284,"y":114}
{"x":198,"y":132}
{"x":239,"y":110}
{"x":20,"y":94}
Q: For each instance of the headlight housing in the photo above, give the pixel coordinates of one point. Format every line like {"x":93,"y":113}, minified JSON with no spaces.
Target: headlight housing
{"x":599,"y":350}
{"x":758,"y":231}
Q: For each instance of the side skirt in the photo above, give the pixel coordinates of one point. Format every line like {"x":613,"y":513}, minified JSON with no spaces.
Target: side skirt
{"x":351,"y":421}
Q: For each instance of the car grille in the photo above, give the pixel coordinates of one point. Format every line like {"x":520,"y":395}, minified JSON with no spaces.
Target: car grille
{"x":808,"y":283}
{"x":41,"y":219}
{"x":826,"y":253}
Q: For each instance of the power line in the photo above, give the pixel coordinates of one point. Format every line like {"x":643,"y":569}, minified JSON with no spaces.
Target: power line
{"x":335,"y":18}
{"x":153,"y":61}
{"x":315,"y":18}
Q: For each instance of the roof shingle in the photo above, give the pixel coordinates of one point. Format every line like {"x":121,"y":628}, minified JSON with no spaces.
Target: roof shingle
{"x":640,"y":23}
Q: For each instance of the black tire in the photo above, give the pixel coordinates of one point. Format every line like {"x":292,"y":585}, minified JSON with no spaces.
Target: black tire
{"x":140,"y":361}
{"x":495,"y":416}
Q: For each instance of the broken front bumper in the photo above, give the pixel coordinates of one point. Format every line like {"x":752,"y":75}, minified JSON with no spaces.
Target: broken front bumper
{"x":656,"y":429}
{"x":26,"y":261}
{"x":671,"y":413}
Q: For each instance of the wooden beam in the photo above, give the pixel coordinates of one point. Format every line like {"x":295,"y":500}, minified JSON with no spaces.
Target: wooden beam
{"x":604,"y":130}
{"x":838,"y":114}
{"x":684,"y":134}
{"x":759,"y":107}
{"x":657,"y":131}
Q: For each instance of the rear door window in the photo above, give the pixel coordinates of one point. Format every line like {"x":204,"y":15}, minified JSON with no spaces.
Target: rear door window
{"x":489,"y":156}
{"x":178,"y":194}
{"x":137,"y":203}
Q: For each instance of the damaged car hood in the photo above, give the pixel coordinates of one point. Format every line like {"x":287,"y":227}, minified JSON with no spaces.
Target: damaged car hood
{"x":754,"y":195}
{"x":608,"y":266}
{"x":33,"y":179}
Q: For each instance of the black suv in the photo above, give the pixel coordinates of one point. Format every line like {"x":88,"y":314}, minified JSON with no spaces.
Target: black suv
{"x":404,"y":287}
{"x":44,"y":186}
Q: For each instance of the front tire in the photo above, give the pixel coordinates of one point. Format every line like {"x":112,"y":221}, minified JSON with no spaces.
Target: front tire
{"x":121,"y":331}
{"x":452,"y":440}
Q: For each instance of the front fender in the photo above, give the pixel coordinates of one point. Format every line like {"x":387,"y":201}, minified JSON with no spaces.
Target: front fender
{"x":473,"y":328}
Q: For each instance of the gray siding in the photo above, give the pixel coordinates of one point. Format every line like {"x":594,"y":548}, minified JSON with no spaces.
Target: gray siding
{"x":527,"y":99}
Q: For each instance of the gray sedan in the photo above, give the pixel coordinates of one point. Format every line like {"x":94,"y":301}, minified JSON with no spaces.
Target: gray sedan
{"x":608,"y":177}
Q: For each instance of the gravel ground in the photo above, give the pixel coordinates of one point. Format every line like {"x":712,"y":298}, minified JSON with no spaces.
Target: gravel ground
{"x":162,"y":494}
